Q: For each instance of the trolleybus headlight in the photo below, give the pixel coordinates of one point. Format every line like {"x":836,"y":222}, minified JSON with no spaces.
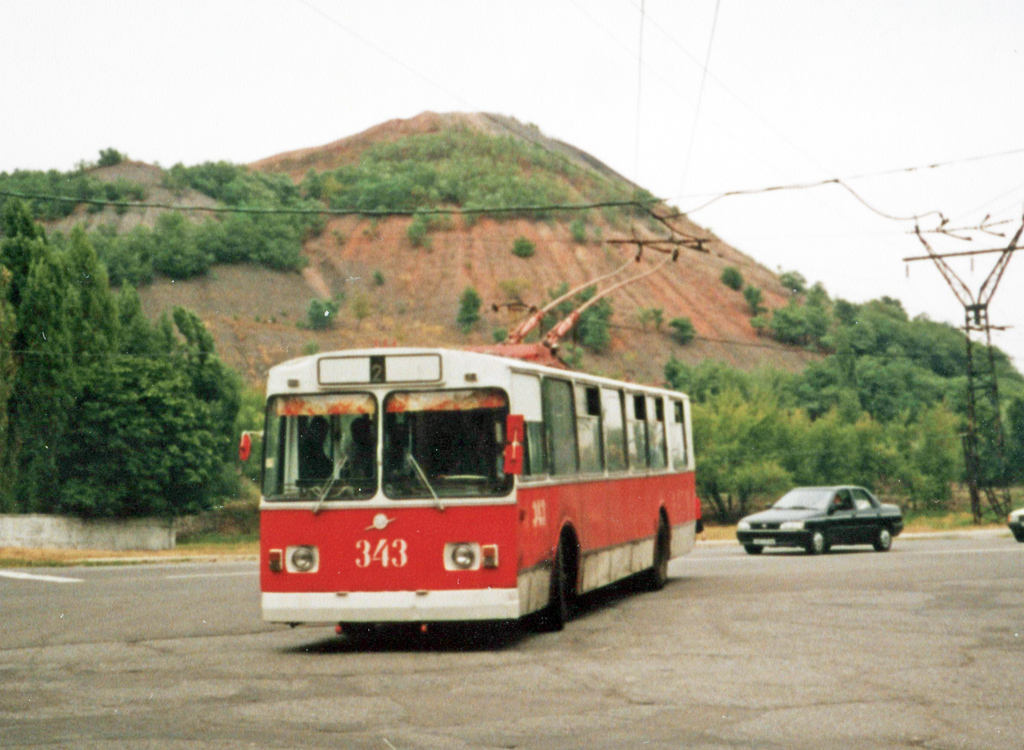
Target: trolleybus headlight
{"x":303,"y":559}
{"x":463,"y":555}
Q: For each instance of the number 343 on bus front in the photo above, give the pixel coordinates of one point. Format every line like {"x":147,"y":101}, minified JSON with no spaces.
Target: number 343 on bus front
{"x":392,"y":553}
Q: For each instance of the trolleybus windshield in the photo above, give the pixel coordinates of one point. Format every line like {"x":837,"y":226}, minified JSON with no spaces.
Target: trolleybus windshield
{"x":445,"y":444}
{"x":321,"y":447}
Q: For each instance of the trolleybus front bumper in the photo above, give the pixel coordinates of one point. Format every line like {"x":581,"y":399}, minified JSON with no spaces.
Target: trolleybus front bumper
{"x":391,"y":606}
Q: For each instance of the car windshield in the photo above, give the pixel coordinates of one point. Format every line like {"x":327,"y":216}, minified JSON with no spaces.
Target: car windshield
{"x":321,"y":447}
{"x":806,"y":498}
{"x":444,"y":444}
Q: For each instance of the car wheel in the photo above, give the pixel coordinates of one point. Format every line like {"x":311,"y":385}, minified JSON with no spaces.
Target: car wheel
{"x":1018,"y":535}
{"x":753,"y":549}
{"x":818,"y":544}
{"x":883,"y":540}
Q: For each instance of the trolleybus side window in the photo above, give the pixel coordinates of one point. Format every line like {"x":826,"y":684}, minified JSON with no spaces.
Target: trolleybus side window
{"x":445,"y":444}
{"x":636,"y":431}
{"x":677,"y":436}
{"x":560,"y":426}
{"x":321,"y":447}
{"x":614,"y":430}
{"x":526,"y":400}
{"x":656,"y":458}
{"x":588,"y":428}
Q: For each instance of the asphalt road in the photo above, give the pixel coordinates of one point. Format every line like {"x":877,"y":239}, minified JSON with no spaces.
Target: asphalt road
{"x":920,"y":647}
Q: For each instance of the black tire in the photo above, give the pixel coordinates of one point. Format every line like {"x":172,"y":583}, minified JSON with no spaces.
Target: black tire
{"x":753,"y":549}
{"x":818,"y":544}
{"x":654,"y":578}
{"x":883,"y":540}
{"x":553,"y":617}
{"x":1018,"y":534}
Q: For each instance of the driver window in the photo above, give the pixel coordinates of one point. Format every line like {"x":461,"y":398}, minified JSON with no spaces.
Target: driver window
{"x":842,"y":500}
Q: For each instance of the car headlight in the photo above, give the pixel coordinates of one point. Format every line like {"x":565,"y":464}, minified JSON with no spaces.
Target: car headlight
{"x":792,"y":526}
{"x":304,"y":559}
{"x":743,"y":526}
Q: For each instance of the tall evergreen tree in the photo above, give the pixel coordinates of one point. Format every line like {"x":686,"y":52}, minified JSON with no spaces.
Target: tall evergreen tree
{"x":7,"y":368}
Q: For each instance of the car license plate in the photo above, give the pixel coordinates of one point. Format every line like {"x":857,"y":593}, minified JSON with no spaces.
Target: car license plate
{"x":764,"y":542}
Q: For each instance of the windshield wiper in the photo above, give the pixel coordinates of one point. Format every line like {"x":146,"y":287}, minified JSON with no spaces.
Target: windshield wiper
{"x":322,"y":494}
{"x":423,"y":478}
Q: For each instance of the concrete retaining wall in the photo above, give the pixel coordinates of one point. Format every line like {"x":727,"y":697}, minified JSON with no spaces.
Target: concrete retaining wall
{"x":60,"y":532}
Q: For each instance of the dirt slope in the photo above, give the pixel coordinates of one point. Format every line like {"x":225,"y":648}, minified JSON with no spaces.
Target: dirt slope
{"x":254,"y":313}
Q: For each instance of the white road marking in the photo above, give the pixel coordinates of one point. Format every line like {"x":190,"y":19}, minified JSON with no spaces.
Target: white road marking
{"x":37,"y":577}
{"x":215,"y":575}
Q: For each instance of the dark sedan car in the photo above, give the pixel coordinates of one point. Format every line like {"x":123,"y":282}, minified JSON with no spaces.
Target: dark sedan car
{"x":816,"y":518}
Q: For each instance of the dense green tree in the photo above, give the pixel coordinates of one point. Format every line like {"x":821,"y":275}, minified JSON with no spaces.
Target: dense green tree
{"x":44,"y":382}
{"x":140,"y":442}
{"x":177,"y":254}
{"x":21,"y":241}
{"x":7,"y":369}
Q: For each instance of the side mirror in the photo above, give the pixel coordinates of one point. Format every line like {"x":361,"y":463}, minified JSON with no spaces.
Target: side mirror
{"x":245,"y":445}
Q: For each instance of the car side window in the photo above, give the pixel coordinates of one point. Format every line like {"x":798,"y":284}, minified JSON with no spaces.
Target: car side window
{"x":861,"y":500}
{"x":843,"y":500}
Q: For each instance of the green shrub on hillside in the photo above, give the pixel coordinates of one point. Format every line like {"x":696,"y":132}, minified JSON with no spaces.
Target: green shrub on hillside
{"x":321,"y":314}
{"x":732,"y":278}
{"x":683,"y":331}
{"x":469,"y":309}
{"x":523,"y":248}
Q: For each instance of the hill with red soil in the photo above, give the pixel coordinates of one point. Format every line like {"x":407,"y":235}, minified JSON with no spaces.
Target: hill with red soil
{"x":394,"y":291}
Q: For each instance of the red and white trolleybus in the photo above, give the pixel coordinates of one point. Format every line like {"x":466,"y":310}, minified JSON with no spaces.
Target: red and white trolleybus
{"x":424,"y":485}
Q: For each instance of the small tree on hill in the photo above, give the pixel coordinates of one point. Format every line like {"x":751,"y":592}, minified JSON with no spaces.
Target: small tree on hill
{"x":753,"y":296}
{"x":732,"y":278}
{"x":321,"y":314}
{"x":110,"y":157}
{"x":682,"y":330}
{"x":469,"y":309}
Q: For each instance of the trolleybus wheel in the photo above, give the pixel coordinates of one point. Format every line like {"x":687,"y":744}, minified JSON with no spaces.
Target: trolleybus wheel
{"x":654,"y":578}
{"x":556,"y":614}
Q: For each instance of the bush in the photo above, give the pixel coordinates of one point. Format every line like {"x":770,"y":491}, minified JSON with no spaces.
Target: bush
{"x":683,"y":331}
{"x":522,"y":248}
{"x":732,"y":278}
{"x":578,"y":228}
{"x":321,"y":314}
{"x":110,"y":157}
{"x":794,"y":282}
{"x":753,"y":296}
{"x":469,"y":309}
{"x":417,"y":231}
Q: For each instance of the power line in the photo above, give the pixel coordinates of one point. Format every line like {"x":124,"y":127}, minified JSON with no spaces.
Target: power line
{"x":700,"y":98}
{"x":639,"y":82}
{"x":371,"y":213}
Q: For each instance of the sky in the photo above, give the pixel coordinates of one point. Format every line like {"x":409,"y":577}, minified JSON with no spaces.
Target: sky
{"x":915,"y":106}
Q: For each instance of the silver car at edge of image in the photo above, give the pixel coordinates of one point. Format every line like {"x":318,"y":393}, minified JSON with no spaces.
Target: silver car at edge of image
{"x":1016,"y":523}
